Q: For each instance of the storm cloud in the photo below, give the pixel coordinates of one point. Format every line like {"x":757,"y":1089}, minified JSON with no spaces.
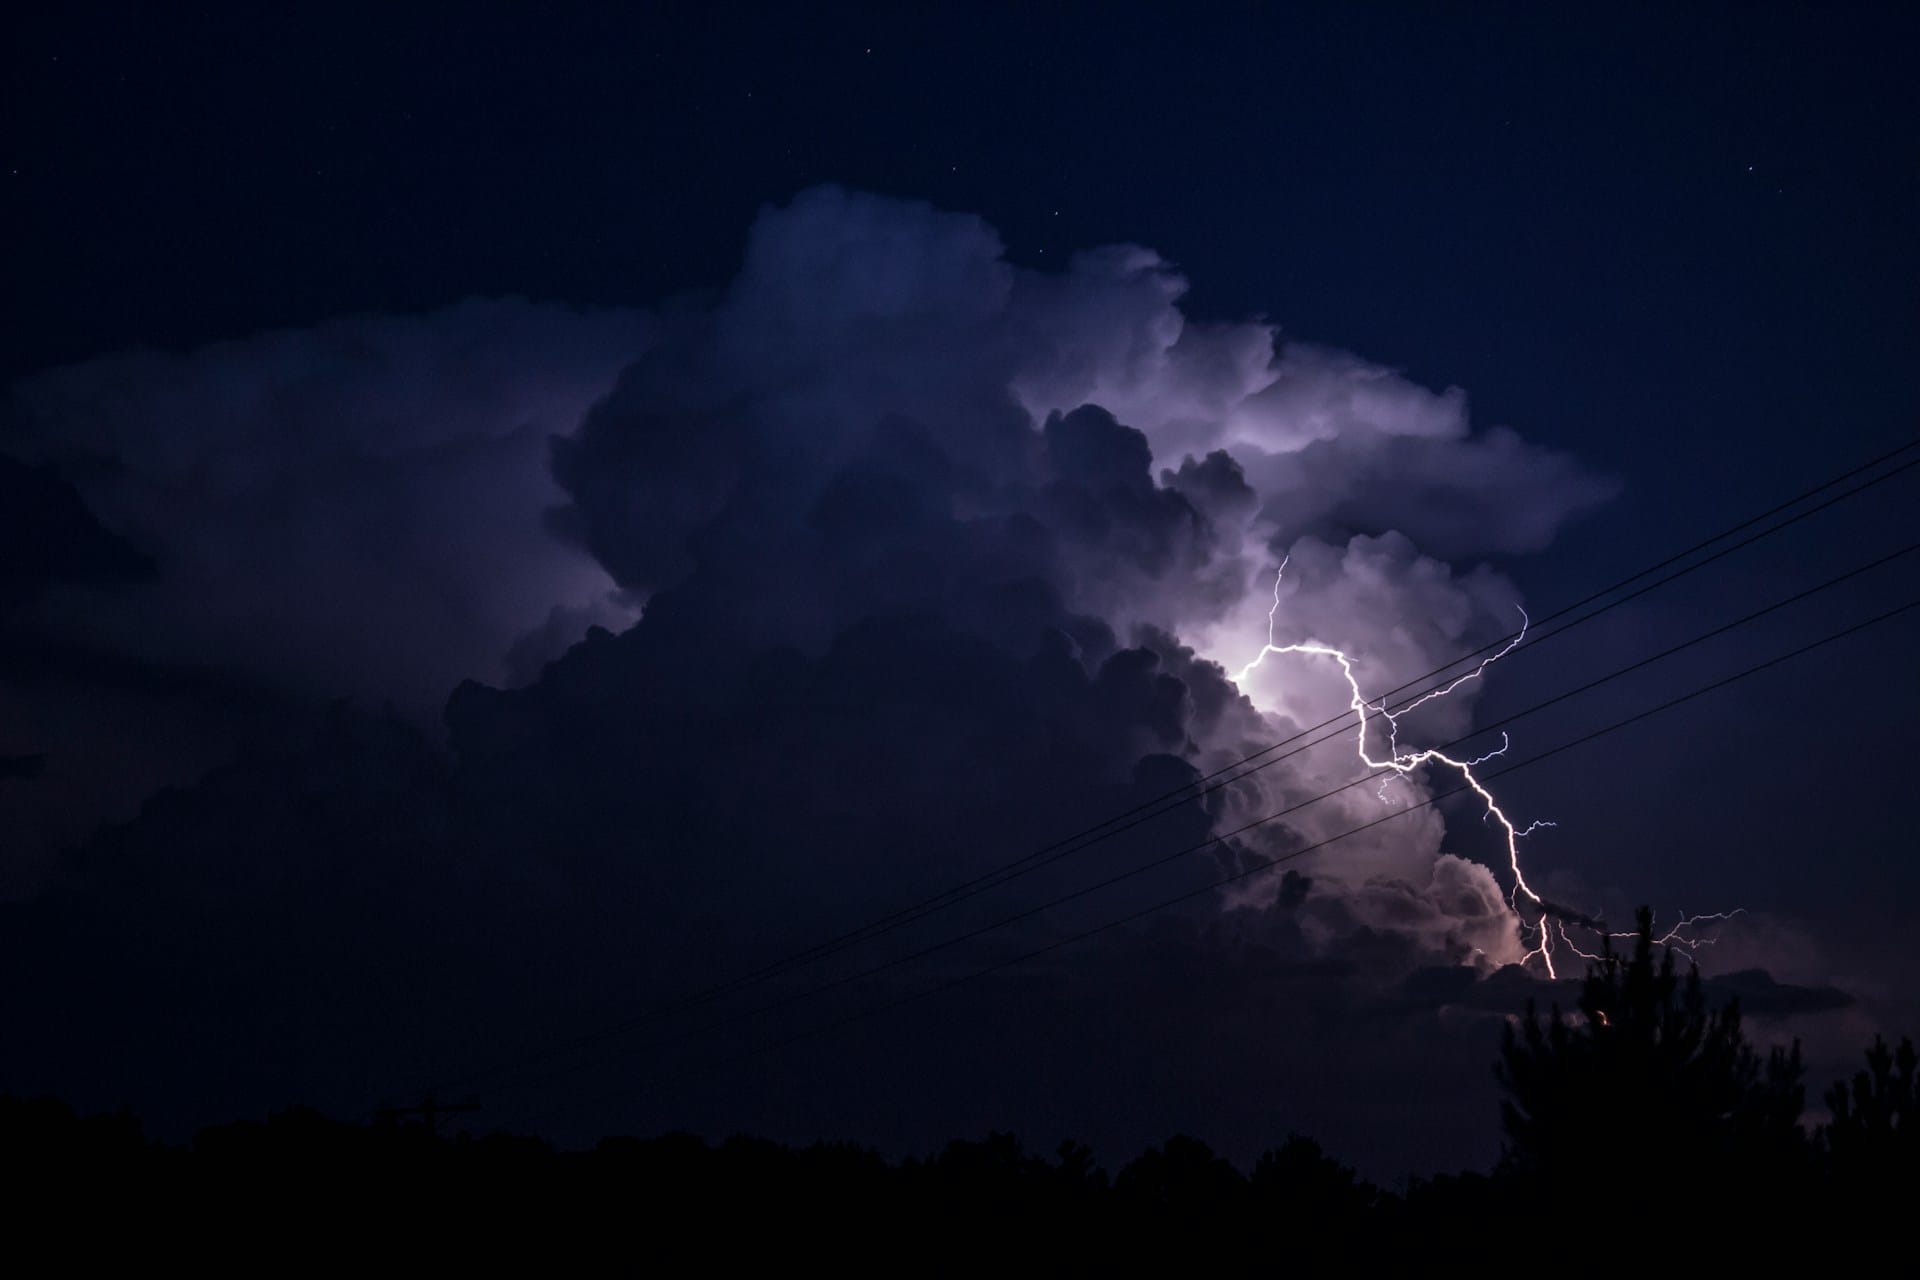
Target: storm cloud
{"x":882,"y":417}
{"x":200,"y":543}
{"x":353,"y":509}
{"x":767,"y":613}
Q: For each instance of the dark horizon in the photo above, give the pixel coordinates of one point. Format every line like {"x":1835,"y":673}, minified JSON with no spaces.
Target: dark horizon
{"x":1643,"y":1104}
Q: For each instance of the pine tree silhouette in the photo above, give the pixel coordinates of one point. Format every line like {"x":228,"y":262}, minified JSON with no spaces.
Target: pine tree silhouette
{"x":1647,"y":1094}
{"x":1872,"y":1143}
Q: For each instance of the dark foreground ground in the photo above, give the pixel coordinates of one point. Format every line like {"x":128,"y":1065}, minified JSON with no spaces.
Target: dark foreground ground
{"x":300,"y":1189}
{"x":1642,"y":1133}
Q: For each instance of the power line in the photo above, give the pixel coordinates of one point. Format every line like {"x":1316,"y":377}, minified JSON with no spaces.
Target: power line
{"x":1210,"y":783}
{"x":1186,"y":792}
{"x":1262,"y":866}
{"x":1293,"y":808}
{"x":1297,"y":806}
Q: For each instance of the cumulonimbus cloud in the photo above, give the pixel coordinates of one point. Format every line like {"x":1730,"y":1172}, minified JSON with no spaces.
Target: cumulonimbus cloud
{"x":761,"y":616}
{"x":881,"y":423}
{"x":883,"y":415}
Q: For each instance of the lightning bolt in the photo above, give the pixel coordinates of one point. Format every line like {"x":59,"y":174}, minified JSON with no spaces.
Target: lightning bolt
{"x":1679,"y":936}
{"x":1572,"y":945}
{"x":1683,"y":936}
{"x":1399,"y":762}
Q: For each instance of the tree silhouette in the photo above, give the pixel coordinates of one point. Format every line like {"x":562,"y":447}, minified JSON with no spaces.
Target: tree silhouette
{"x":1872,"y":1143}
{"x":1305,"y":1183}
{"x":1182,"y":1178}
{"x":1647,"y":1093}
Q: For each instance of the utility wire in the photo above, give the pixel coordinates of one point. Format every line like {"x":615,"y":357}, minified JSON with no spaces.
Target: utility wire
{"x":1221,"y":838}
{"x":1260,"y":867}
{"x":1187,"y":792}
{"x":1210,"y":783}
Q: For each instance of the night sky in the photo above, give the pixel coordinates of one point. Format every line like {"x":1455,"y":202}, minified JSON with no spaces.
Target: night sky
{"x":515,"y":519}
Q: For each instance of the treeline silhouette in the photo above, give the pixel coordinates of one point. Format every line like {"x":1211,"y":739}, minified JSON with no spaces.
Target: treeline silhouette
{"x":1639,"y":1124}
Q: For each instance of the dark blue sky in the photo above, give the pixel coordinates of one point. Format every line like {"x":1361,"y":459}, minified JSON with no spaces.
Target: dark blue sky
{"x":1676,"y":243}
{"x":1694,"y":217}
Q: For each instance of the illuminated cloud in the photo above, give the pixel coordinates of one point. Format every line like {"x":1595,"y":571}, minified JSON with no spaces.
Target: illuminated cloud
{"x":879,"y":421}
{"x":924,"y":561}
{"x":351,"y":509}
{"x":882,"y":416}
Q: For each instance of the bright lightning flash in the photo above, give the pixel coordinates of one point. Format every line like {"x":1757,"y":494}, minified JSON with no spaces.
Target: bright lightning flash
{"x":1401,"y":763}
{"x":1683,"y":937}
